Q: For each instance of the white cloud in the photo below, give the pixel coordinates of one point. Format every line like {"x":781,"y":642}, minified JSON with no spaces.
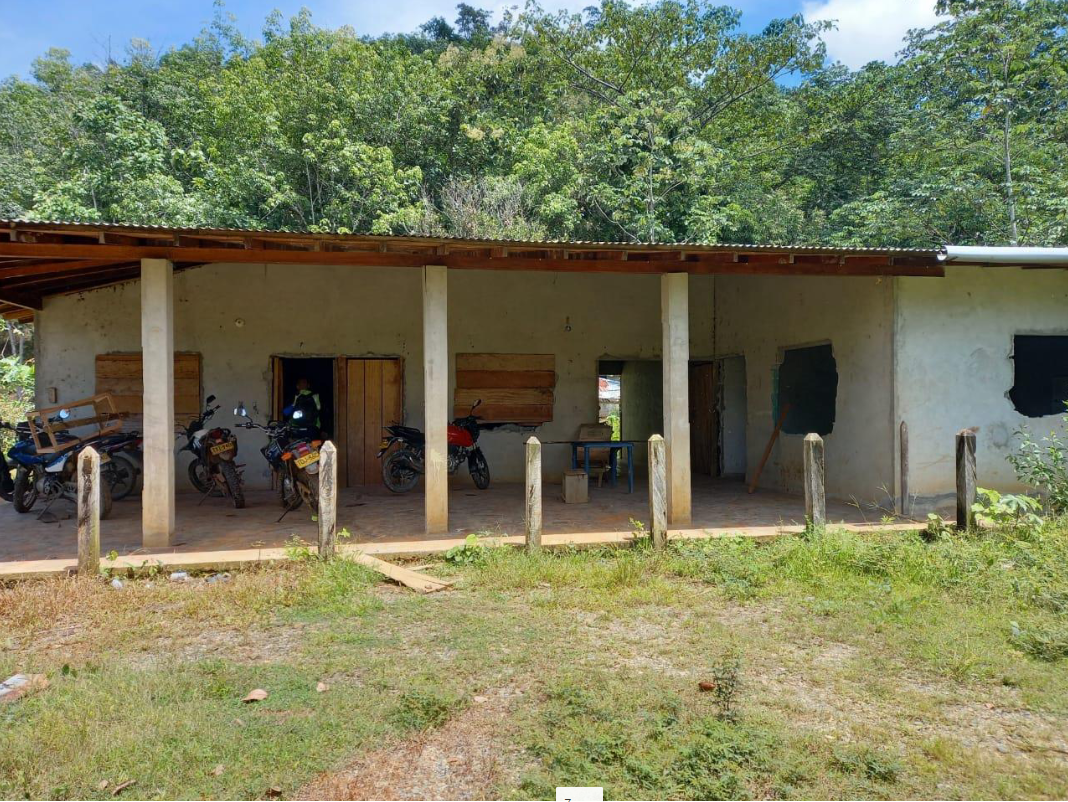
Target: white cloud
{"x":868,"y":30}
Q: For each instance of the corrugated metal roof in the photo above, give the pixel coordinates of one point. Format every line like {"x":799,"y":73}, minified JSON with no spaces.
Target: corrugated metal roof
{"x":432,"y":240}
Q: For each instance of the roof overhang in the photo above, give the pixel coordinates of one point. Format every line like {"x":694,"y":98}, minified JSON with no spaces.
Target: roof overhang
{"x":41,"y":258}
{"x":1018,"y":255}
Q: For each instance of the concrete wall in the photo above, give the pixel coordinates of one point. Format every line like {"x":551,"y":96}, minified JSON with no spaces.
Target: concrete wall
{"x":758,"y":316}
{"x":955,"y":369}
{"x":733,"y":415}
{"x":328,"y":311}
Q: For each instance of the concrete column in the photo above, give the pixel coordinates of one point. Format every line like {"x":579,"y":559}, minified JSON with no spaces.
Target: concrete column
{"x":436,"y":397}
{"x":675,"y":320}
{"x":157,"y":360}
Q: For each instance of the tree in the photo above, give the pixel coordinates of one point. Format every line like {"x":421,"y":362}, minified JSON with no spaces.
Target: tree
{"x":648,"y":82}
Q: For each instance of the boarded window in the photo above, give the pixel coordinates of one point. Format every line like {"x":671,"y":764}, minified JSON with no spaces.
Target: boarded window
{"x":808,"y":382}
{"x":1040,"y":381}
{"x":513,"y":388}
{"x":120,"y":375}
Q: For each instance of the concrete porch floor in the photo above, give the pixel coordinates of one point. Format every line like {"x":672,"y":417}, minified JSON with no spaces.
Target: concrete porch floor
{"x":377,"y":518}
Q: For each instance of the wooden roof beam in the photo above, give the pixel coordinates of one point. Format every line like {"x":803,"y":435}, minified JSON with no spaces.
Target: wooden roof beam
{"x":25,"y":300}
{"x":49,"y":267}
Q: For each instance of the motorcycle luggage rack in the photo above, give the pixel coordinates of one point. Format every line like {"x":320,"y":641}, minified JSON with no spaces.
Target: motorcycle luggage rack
{"x":46,"y":432}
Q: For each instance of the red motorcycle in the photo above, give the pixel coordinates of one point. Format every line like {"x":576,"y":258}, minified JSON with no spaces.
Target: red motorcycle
{"x":402,"y":468}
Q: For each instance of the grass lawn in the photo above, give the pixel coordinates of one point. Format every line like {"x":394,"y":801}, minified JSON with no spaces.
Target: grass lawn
{"x":845,"y":666}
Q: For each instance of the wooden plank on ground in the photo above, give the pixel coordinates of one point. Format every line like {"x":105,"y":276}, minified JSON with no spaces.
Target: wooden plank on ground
{"x":422,"y":583}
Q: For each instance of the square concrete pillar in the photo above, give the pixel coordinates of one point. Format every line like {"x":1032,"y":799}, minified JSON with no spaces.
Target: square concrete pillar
{"x":157,"y":365}
{"x":675,"y":320}
{"x":436,"y":397}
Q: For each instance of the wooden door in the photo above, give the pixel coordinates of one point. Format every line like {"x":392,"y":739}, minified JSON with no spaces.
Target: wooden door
{"x":372,"y":400}
{"x":704,"y":420}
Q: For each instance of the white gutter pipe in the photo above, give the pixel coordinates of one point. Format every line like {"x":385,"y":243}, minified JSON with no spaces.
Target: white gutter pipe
{"x":1004,"y":255}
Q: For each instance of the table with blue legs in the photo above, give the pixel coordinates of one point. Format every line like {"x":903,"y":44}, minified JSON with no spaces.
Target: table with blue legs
{"x":615,"y":447}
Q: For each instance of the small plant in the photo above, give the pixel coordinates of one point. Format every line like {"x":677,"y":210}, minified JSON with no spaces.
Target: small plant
{"x":298,"y":549}
{"x":1007,"y":511}
{"x":867,"y":762}
{"x":937,"y":527}
{"x":472,"y":552}
{"x":726,"y":686}
{"x":423,"y":709}
{"x":1043,"y":464}
{"x":641,"y":537}
{"x":1048,"y":644}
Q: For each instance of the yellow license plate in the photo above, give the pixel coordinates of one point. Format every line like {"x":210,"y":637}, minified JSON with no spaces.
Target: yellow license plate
{"x":219,"y":449}
{"x":383,"y":445}
{"x":104,"y":458}
{"x":307,"y":459}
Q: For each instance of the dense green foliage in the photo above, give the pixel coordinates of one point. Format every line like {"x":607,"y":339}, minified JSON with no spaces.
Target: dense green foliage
{"x":647,"y":123}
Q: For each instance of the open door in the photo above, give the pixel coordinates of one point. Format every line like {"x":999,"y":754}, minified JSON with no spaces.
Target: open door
{"x":373,"y":399}
{"x":704,"y":419}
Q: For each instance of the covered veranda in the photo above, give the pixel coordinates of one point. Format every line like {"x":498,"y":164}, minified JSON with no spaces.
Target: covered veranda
{"x":41,"y":260}
{"x":211,"y":532}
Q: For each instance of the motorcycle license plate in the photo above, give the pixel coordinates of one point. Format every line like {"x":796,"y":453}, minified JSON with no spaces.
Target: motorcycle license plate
{"x":307,"y":459}
{"x":104,"y":458}
{"x":219,"y":449}
{"x":383,"y":445}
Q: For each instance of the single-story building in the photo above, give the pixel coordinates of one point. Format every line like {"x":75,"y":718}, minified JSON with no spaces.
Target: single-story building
{"x":712,"y":345}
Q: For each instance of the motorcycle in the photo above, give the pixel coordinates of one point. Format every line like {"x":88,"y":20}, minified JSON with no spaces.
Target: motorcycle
{"x":7,"y":484}
{"x":49,"y":476}
{"x":402,"y":468}
{"x":293,"y":458}
{"x":214,"y":452}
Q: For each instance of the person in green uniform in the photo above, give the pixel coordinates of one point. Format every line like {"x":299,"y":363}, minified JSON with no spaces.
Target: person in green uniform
{"x":309,"y":404}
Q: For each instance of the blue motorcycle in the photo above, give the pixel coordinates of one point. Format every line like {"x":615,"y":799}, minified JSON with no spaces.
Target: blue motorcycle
{"x":49,"y":476}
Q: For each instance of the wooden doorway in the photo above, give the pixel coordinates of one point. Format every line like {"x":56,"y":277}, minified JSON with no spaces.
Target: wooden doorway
{"x":370,"y":397}
{"x":704,"y":419}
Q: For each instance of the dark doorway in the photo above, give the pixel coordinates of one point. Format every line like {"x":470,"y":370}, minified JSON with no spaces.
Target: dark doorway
{"x":319,"y":371}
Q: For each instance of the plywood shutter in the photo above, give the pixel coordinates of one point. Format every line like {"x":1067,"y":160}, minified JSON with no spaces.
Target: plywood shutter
{"x":514,"y":388}
{"x":121,"y":375}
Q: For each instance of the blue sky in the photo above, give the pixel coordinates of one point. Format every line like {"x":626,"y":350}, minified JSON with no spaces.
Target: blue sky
{"x":91,"y":29}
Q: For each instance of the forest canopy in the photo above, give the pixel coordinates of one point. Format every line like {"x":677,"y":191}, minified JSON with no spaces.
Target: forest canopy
{"x":658,"y":122}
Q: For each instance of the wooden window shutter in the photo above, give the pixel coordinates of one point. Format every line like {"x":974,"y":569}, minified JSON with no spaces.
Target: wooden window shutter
{"x":121,"y":375}
{"x":514,"y":388}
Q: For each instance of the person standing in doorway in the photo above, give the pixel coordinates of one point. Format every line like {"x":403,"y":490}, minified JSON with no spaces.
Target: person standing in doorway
{"x":309,"y":404}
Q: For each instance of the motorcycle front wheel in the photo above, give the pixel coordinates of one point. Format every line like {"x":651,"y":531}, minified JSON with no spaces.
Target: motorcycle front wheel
{"x":398,"y":473}
{"x":287,"y":492}
{"x":476,"y":463}
{"x":25,"y":492}
{"x":200,"y":476}
{"x":233,"y":483}
{"x":122,"y":476}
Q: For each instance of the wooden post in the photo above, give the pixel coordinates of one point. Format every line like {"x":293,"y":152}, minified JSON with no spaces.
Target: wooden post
{"x":436,"y":397}
{"x":675,"y":323}
{"x":88,"y":511}
{"x":157,"y":365}
{"x":533,"y":512}
{"x":815,"y":498}
{"x":327,"y":500}
{"x":903,"y":467}
{"x":966,"y":492}
{"x":657,"y":491}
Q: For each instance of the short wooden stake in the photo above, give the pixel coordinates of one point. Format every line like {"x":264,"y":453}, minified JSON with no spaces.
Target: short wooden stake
{"x":533,"y":506}
{"x":966,"y":492}
{"x":327,"y":500}
{"x":88,"y":511}
{"x":815,"y":497}
{"x":904,"y":468}
{"x":657,"y":491}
